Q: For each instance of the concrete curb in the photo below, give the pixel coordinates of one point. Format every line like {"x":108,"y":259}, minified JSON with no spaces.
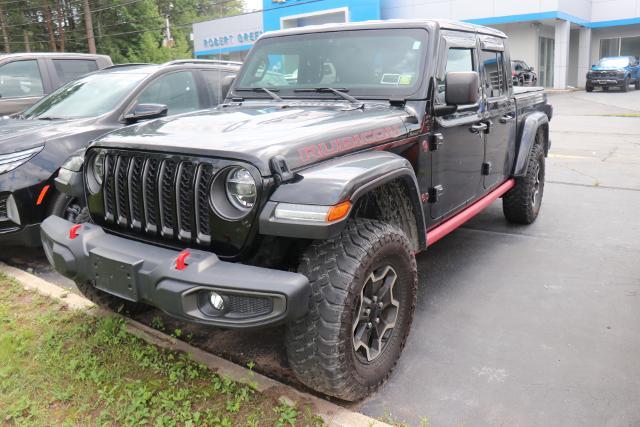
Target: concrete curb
{"x":331,"y":413}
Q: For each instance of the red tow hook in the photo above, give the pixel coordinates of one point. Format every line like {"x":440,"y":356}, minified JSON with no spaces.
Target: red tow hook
{"x":181,"y":260}
{"x":73,"y":231}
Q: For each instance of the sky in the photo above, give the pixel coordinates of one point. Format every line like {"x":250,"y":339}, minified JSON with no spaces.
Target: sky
{"x":253,"y":4}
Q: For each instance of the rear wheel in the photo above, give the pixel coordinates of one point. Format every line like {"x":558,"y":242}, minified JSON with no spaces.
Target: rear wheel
{"x":521,"y":204}
{"x":364,"y":286}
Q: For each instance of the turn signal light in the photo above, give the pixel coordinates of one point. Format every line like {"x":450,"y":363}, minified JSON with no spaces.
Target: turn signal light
{"x":338,"y":211}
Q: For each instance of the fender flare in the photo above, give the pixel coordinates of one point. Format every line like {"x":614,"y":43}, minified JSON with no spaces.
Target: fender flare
{"x":335,"y":181}
{"x":529,"y":130}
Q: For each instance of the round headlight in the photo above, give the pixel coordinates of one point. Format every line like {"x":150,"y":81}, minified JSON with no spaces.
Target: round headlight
{"x":97,"y":167}
{"x":241,"y":188}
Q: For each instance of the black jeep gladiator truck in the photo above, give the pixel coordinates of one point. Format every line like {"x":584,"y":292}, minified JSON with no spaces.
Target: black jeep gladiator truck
{"x":340,"y":152}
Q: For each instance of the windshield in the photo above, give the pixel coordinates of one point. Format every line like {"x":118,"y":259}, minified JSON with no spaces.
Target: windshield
{"x":89,"y":96}
{"x":614,"y":62}
{"x":379,"y":63}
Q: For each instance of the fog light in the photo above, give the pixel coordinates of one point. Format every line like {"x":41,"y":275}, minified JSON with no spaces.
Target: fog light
{"x":216,"y":301}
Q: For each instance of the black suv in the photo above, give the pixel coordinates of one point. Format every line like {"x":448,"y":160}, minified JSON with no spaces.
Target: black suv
{"x":35,"y":144}
{"x":522,"y":74}
{"x":341,"y":151}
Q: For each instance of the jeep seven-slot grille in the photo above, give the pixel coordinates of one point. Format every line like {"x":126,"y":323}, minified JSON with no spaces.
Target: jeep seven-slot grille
{"x":158,"y":196}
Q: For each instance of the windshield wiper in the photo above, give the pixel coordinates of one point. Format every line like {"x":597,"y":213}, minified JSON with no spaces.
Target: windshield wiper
{"x":340,"y":92}
{"x":48,"y":118}
{"x":261,"y":89}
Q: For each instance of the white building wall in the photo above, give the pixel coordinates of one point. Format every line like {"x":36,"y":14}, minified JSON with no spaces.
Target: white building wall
{"x":464,"y":9}
{"x":523,"y":41}
{"x":610,"y":10}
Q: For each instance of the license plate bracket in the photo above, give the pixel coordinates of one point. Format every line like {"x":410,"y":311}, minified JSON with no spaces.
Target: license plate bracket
{"x":115,"y":273}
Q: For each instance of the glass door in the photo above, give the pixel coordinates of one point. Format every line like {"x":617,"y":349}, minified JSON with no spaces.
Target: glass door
{"x":546,"y":52}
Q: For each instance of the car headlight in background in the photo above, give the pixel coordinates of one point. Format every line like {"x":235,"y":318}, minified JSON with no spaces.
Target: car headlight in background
{"x":11,"y":161}
{"x":241,"y":188}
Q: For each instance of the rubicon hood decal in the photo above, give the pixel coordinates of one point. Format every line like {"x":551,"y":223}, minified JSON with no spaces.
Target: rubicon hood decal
{"x":302,"y":134}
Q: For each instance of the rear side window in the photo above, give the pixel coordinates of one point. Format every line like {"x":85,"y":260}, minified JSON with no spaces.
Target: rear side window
{"x":213,"y":80}
{"x":458,"y":59}
{"x":178,"y":91}
{"x":494,"y":77}
{"x":71,"y":69}
{"x":19,"y":79}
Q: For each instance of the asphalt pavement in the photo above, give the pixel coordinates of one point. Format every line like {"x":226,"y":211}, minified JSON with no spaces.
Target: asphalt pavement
{"x":515,"y":325}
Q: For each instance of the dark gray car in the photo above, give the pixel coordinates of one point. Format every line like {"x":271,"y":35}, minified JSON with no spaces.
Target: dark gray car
{"x":35,"y":144}
{"x":27,"y":77}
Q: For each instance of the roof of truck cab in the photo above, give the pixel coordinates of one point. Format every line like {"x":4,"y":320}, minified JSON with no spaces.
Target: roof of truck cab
{"x":429,"y":24}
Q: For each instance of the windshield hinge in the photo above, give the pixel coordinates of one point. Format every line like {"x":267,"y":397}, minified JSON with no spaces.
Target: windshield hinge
{"x":280,"y":170}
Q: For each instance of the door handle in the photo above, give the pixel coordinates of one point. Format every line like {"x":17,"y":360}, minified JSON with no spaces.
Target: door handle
{"x":479,"y":128}
{"x":507,"y":118}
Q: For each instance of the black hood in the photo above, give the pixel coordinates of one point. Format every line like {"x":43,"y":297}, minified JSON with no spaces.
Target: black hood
{"x":18,"y":135}
{"x":302,"y":133}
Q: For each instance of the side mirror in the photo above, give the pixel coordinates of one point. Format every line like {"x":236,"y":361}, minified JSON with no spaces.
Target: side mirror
{"x":462,"y":87}
{"x":593,"y":65}
{"x":227,"y":82}
{"x":146,"y":112}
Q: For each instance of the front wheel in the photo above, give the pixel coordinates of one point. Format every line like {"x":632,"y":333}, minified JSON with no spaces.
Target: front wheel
{"x":638,"y":84}
{"x":521,"y":204}
{"x":364,"y":285}
{"x":625,"y":85}
{"x":589,"y":88}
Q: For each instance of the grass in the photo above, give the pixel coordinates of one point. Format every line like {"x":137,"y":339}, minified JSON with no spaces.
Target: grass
{"x":59,"y":367}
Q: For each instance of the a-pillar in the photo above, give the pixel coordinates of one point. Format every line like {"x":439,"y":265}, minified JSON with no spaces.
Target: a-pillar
{"x":584,"y":56}
{"x":561,"y":56}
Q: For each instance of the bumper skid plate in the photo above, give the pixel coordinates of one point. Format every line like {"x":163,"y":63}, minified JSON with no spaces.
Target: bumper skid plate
{"x":135,"y":271}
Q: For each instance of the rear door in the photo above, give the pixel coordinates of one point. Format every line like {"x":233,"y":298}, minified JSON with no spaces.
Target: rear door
{"x":499,"y":109}
{"x":456,"y":162}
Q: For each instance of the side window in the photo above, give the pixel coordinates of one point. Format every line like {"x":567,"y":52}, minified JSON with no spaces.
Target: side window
{"x":178,"y":91}
{"x":213,"y":79}
{"x":71,"y":69}
{"x":458,"y":59}
{"x":494,"y":77}
{"x":20,"y":79}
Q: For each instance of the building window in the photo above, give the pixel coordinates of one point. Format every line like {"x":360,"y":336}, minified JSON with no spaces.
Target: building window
{"x":620,"y":46}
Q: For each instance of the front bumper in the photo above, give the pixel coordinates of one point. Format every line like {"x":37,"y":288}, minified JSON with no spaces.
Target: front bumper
{"x":28,"y":236}
{"x":605,"y":81}
{"x":140,"y":272}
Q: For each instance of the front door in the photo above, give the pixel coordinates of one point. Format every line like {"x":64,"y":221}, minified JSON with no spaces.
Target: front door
{"x":499,"y":111}
{"x":456,"y":162}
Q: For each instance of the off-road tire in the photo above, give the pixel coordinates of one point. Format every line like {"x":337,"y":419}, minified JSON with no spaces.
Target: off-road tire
{"x":320,"y":346}
{"x":111,"y":302}
{"x":637,"y":85}
{"x":518,"y":203}
{"x":625,"y":85}
{"x":589,"y":88}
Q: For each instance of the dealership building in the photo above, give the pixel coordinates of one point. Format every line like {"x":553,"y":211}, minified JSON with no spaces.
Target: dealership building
{"x":559,"y":38}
